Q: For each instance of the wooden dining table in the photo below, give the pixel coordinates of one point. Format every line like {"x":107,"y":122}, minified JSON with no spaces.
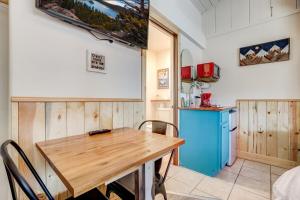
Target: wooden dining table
{"x":86,"y":162}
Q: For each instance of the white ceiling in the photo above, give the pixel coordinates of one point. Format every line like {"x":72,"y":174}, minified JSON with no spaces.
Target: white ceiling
{"x":204,"y":5}
{"x":159,"y":40}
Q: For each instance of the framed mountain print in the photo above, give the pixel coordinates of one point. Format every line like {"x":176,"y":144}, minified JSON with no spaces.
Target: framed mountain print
{"x":269,"y":52}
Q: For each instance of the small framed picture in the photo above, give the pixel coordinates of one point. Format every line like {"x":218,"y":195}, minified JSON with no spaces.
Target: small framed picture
{"x":96,"y":62}
{"x":163,"y":78}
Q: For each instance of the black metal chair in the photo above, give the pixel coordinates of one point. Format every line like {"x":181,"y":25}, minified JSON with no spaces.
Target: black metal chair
{"x":123,"y":187}
{"x":14,"y":174}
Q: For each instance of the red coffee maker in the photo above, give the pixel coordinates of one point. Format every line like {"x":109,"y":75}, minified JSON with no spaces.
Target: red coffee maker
{"x":205,"y":99}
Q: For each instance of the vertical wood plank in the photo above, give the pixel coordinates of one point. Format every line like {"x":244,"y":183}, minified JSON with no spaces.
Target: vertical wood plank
{"x":283,"y":130}
{"x":261,"y":136}
{"x":243,"y":133}
{"x":15,"y":128}
{"x":56,"y":127}
{"x":128,"y":114}
{"x":32,"y":130}
{"x":118,"y":115}
{"x":92,"y":116}
{"x":298,"y":128}
{"x":139,"y":114}
{"x":75,"y":118}
{"x":15,"y":135}
{"x":272,"y":111}
{"x":106,"y":115}
{"x":293,"y":131}
{"x":15,"y":121}
{"x":252,"y":126}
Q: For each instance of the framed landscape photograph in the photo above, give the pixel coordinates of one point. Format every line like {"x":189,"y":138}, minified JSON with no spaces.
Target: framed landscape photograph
{"x":163,"y":78}
{"x":269,"y":52}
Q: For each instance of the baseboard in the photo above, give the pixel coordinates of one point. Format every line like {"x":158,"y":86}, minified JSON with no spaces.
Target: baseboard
{"x":267,"y":160}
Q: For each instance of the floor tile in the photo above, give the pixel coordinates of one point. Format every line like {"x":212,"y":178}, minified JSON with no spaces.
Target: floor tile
{"x":256,"y":174}
{"x":277,"y":170}
{"x":159,"y":197}
{"x":236,"y":167}
{"x":173,"y":170}
{"x":215,"y":187}
{"x":201,"y":194}
{"x":257,"y":166}
{"x":189,"y":177}
{"x":240,"y":194}
{"x":274,"y":178}
{"x":254,"y":186}
{"x":227,"y":176}
{"x":177,"y":186}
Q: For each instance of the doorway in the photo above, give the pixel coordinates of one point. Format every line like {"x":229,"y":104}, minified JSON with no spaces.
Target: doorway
{"x":161,"y":77}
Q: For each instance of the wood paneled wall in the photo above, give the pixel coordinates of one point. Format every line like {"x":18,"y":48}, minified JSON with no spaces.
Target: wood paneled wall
{"x":269,"y":131}
{"x":4,"y":1}
{"x":39,"y":121}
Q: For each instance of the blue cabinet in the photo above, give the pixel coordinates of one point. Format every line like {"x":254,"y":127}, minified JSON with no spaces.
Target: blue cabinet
{"x":206,"y":135}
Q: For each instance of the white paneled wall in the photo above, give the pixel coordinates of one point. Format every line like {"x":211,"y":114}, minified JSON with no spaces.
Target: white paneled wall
{"x":209,"y":22}
{"x":260,"y":10}
{"x":240,"y":13}
{"x":223,"y":16}
{"x":283,"y":7}
{"x":231,"y":15}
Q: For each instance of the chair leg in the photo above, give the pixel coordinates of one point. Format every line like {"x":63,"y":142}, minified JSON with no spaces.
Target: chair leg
{"x":108,"y":192}
{"x":160,"y":189}
{"x":163,"y":191}
{"x":11,"y":184}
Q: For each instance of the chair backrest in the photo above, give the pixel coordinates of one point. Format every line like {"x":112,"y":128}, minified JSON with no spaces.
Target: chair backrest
{"x":14,"y":174}
{"x":160,"y":127}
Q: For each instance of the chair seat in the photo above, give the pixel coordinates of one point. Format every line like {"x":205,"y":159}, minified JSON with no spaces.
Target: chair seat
{"x":128,"y":182}
{"x":124,"y":187}
{"x":94,"y":194}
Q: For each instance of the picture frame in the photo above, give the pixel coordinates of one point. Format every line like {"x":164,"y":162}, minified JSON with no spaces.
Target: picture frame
{"x":96,"y":62}
{"x":163,"y":78}
{"x":269,"y":52}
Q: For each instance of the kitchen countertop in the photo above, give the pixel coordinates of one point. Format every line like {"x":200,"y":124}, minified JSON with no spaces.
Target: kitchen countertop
{"x":213,"y":108}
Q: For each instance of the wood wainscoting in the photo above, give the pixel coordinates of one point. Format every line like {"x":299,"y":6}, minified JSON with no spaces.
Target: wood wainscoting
{"x":4,"y":1}
{"x":269,"y":131}
{"x":40,"y":121}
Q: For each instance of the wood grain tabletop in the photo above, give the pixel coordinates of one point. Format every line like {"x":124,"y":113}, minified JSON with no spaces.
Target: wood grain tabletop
{"x":85,"y":162}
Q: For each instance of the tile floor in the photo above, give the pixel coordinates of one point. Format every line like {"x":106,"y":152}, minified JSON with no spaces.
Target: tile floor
{"x":245,"y":180}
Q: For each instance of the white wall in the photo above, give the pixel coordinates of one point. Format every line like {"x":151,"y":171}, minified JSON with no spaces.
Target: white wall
{"x":163,"y":61}
{"x":3,"y":92}
{"x":150,"y":81}
{"x":279,"y":80}
{"x":48,"y":59}
{"x":184,"y":15}
{"x":156,"y":60}
{"x":196,"y":51}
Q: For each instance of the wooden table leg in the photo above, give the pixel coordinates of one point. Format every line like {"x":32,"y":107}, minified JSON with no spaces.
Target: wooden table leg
{"x":139,"y":190}
{"x":148,"y":174}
